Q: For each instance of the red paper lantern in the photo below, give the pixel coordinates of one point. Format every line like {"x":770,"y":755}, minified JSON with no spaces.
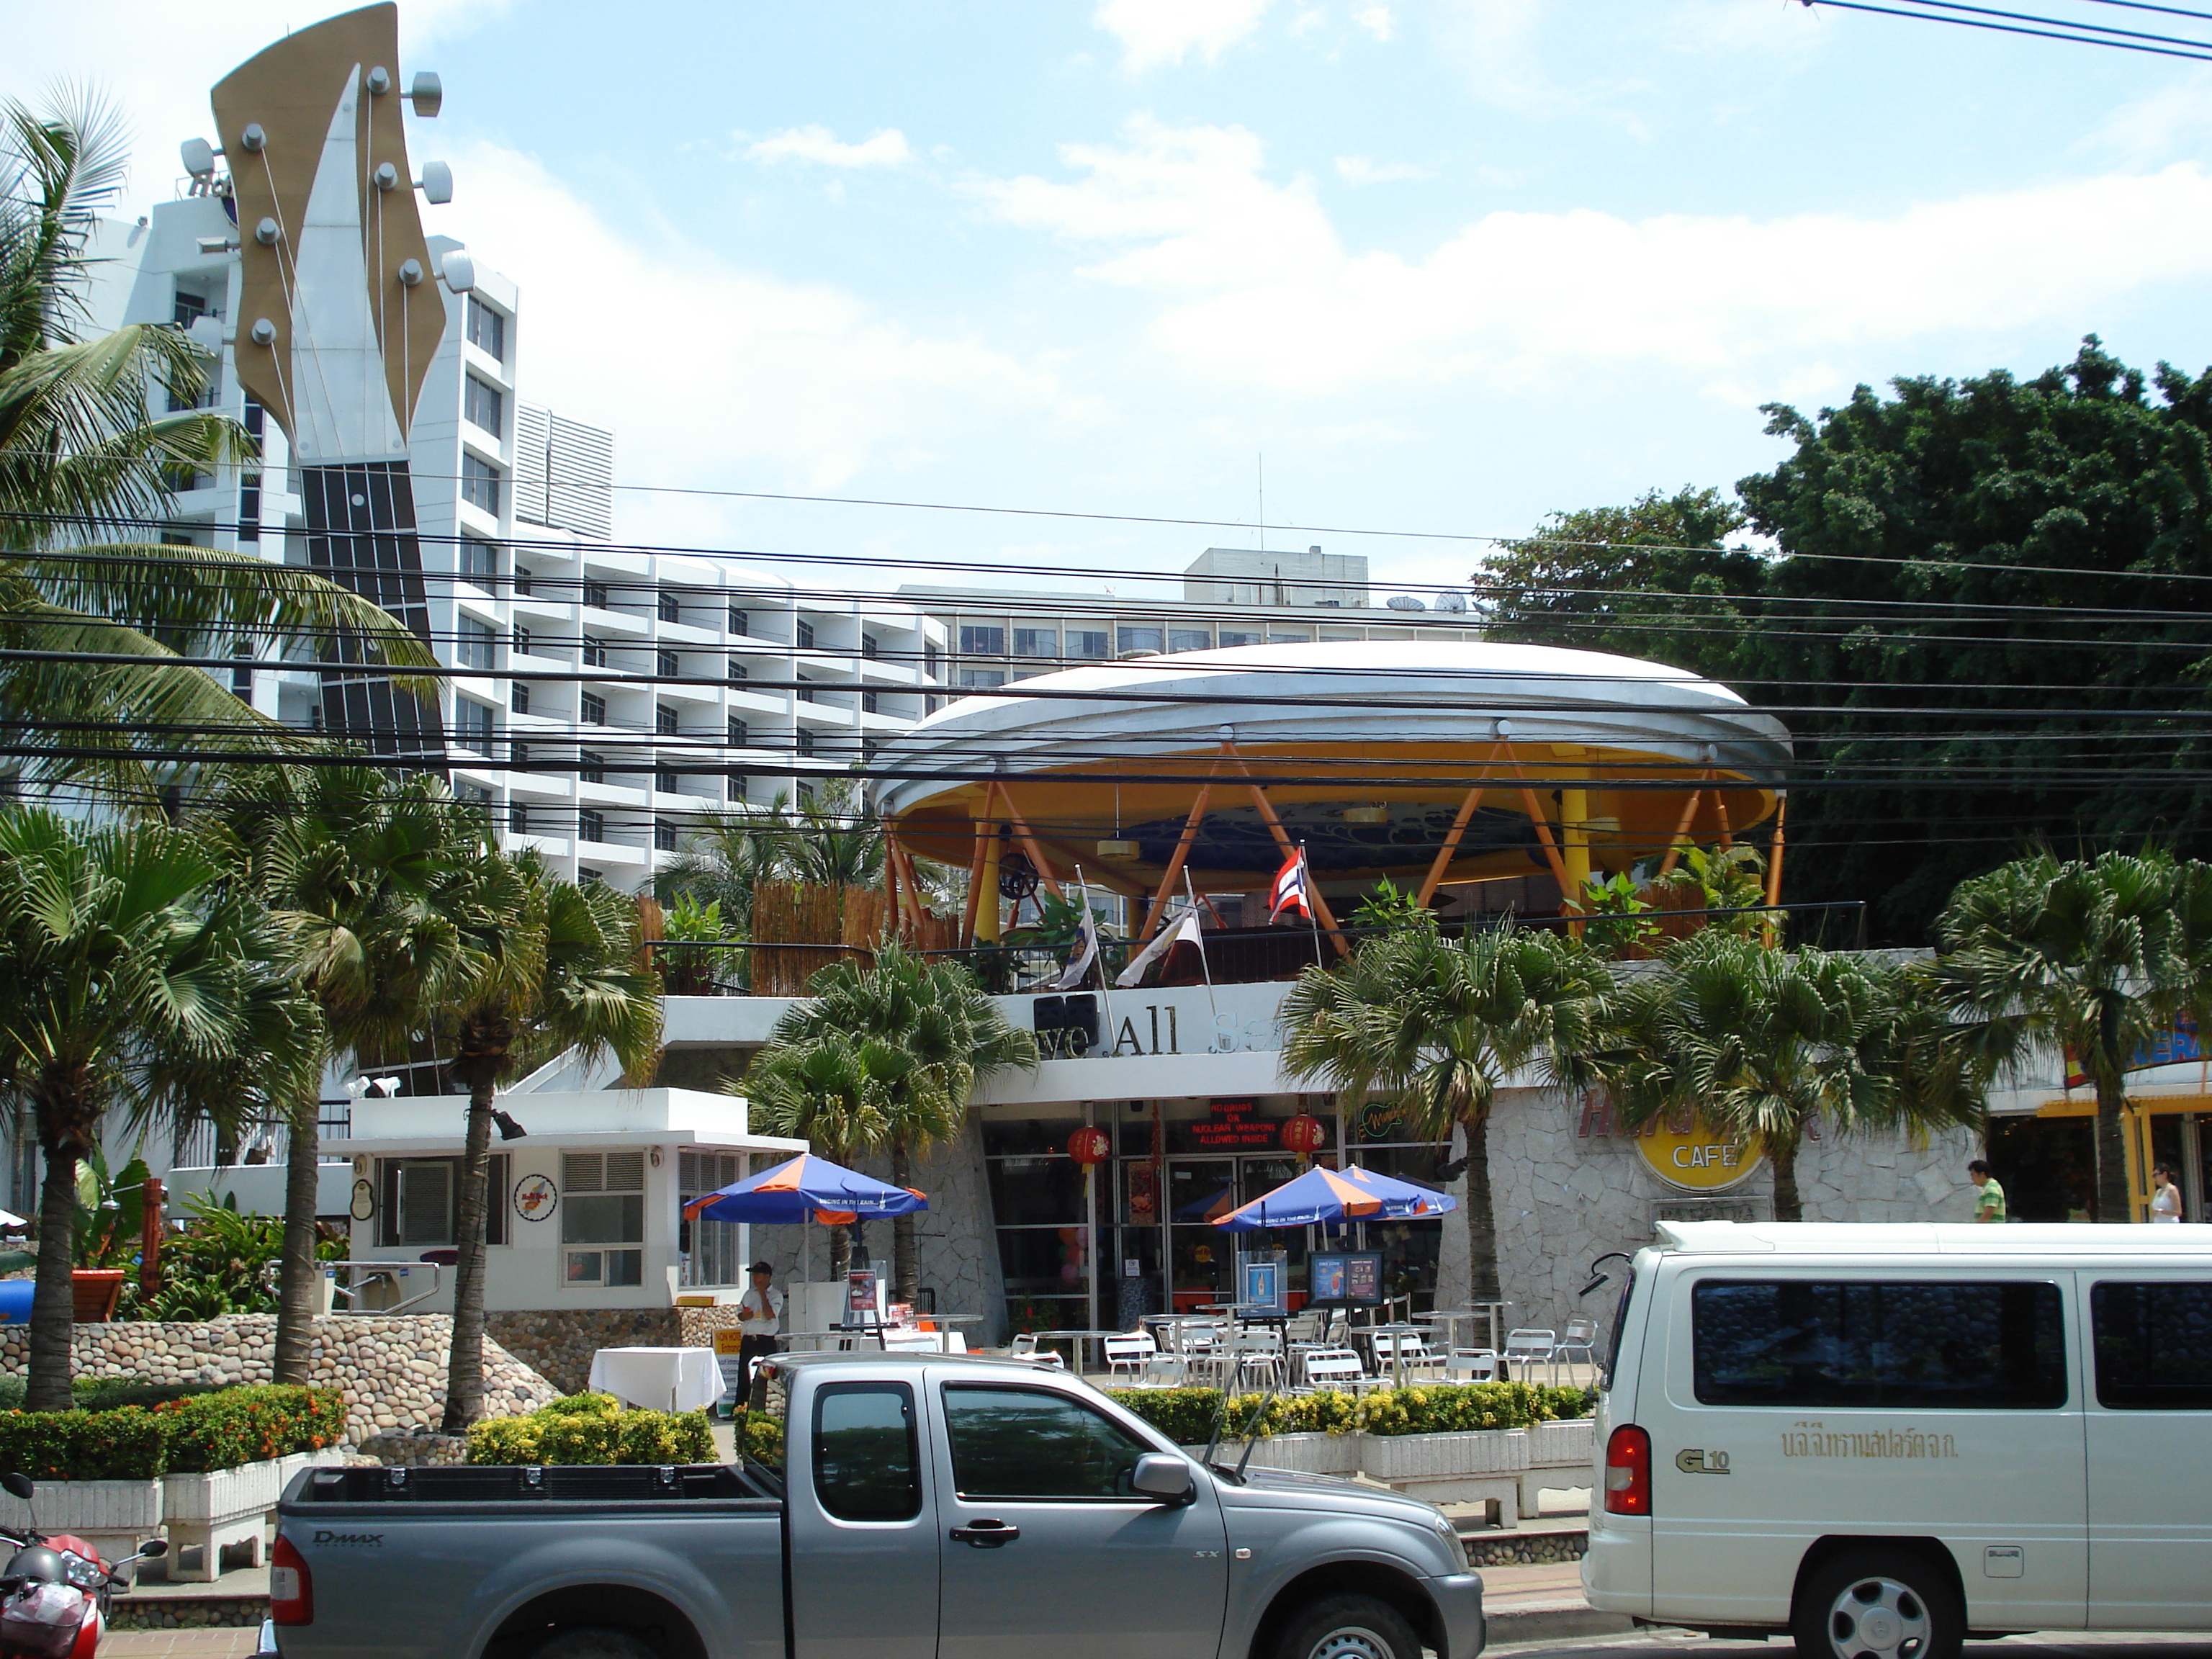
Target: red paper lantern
{"x":1304,"y":1135}
{"x":1089,"y":1146}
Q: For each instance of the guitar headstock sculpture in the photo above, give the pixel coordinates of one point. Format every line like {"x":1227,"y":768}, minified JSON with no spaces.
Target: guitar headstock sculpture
{"x":338,"y":317}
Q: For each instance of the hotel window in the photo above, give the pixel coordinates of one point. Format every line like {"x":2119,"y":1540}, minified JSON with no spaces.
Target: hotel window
{"x":671,"y":608}
{"x":736,"y":671}
{"x":805,"y":692}
{"x":521,"y":647}
{"x":869,"y":701}
{"x":929,"y":660}
{"x":518,"y":818}
{"x":663,"y":831}
{"x":1189,"y":639}
{"x":982,"y":678}
{"x":665,"y":666}
{"x":665,"y":782}
{"x":1086,"y":644}
{"x":480,"y":484}
{"x":594,"y":709}
{"x":242,"y":679}
{"x":664,"y":721}
{"x":521,"y":581}
{"x":805,"y":742}
{"x":595,"y":653}
{"x":1138,"y":639}
{"x":473,"y":720}
{"x":603,"y":1219}
{"x":983,"y":639}
{"x":593,"y":768}
{"x":255,"y":416}
{"x":595,"y":595}
{"x":520,"y":752}
{"x":806,"y":635}
{"x":739,"y":622}
{"x":1304,"y":637}
{"x":483,"y":406}
{"x":591,"y":825}
{"x":487,"y":330}
{"x":1231,"y":638}
{"x":249,"y":507}
{"x":1036,"y":641}
{"x":518,"y":698}
{"x":737,"y":740}
{"x":588,"y":877}
{"x":479,"y":562}
{"x":474,"y":643}
{"x":869,"y":649}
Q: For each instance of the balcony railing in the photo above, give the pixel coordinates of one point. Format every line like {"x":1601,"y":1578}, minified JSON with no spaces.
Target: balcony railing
{"x":257,"y":1141}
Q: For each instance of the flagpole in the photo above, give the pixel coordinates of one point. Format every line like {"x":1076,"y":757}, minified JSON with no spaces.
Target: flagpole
{"x":1205,"y":967}
{"x":1306,"y":878}
{"x":1098,"y":960}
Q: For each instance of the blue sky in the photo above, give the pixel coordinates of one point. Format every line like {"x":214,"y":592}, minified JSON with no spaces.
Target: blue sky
{"x":1447,"y":266}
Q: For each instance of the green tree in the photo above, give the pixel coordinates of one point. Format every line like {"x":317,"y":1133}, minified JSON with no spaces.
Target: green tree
{"x":551,"y":968}
{"x":2087,"y":960}
{"x":86,"y":462}
{"x":119,"y":947}
{"x":1760,"y":1043}
{"x":1656,"y":578}
{"x":827,"y":1091}
{"x":919,"y":1034}
{"x":1438,"y":1025}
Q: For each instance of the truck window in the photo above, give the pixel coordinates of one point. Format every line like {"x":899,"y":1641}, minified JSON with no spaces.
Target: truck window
{"x":2154,"y":1343}
{"x":1921,"y":1344}
{"x":867,"y":1464}
{"x":1024,"y":1443}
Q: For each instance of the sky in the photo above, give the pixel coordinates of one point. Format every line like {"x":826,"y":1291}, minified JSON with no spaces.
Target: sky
{"x":1344,"y":266}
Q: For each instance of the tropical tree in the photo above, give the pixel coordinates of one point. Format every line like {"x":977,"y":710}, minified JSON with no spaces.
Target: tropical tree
{"x":550,"y":967}
{"x":119,"y":949}
{"x":1439,"y":1025}
{"x":86,"y":463}
{"x":1760,"y":1043}
{"x":2082,"y":961}
{"x":828,"y":1090}
{"x":910,"y":1037}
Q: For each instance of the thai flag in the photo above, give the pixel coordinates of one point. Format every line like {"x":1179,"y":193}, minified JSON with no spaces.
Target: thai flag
{"x":1290,"y":891}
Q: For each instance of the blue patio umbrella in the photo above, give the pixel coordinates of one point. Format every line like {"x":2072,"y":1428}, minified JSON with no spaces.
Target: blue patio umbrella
{"x":1332,"y":1195}
{"x":805,"y":1189}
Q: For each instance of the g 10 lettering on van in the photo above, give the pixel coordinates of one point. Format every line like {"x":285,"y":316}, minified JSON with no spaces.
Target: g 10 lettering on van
{"x":1804,"y":1440}
{"x":1693,"y":1461}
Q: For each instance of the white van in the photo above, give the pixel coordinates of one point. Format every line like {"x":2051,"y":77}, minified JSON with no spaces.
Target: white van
{"x":1883,"y":1439}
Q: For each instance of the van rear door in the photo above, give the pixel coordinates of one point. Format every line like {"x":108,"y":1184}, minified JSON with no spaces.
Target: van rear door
{"x":1806,"y":1402}
{"x":2148,"y":1331}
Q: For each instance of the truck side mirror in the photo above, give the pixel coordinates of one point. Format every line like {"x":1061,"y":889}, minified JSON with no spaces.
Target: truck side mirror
{"x":1162,"y":1475}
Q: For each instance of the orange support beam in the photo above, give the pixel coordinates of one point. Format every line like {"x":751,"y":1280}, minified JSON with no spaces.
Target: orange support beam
{"x":1322,"y":913}
{"x":1682,"y":828}
{"x":1157,"y":909}
{"x":1028,"y":842}
{"x":986,"y":829}
{"x":1466,"y":816}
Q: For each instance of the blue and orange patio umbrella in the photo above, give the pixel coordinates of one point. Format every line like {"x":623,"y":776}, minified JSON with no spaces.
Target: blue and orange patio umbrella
{"x":805,"y":1189}
{"x":1321,"y":1196}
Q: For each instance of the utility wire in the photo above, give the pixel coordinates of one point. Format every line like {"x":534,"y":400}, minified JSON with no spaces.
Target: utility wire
{"x":2009,"y":28}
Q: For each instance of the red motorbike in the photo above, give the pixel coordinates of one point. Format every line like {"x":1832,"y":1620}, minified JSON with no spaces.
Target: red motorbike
{"x":54,"y":1593}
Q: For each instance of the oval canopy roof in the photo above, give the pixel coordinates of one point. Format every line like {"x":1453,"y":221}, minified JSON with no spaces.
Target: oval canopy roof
{"x":1368,"y":750}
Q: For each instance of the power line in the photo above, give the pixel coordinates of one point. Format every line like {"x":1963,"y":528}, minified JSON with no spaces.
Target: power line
{"x":2009,"y":28}
{"x":2065,"y":23}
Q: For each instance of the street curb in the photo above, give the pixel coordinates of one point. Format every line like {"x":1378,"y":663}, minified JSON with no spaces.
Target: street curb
{"x":1512,"y":1626}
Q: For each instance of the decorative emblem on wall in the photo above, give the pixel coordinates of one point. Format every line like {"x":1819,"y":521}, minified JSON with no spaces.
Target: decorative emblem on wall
{"x":363,"y":1207}
{"x":536,"y":1197}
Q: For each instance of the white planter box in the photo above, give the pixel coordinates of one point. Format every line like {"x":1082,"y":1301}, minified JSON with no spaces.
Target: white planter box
{"x":1571,"y":1441}
{"x":1396,"y":1457}
{"x":1299,"y":1454}
{"x":113,"y":1517}
{"x":224,"y":1509}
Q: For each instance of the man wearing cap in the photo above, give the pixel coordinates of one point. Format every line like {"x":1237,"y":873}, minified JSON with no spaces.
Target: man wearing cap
{"x":760,"y":1311}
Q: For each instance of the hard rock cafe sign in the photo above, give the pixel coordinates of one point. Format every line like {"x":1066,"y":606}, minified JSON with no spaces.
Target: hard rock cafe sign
{"x":1679,"y":1150}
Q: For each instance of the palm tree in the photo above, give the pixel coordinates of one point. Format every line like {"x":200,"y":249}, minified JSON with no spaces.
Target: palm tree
{"x":1438,"y":1026}
{"x":828,"y":1090}
{"x":551,"y":968}
{"x":2090,"y":961}
{"x":916,"y":1036}
{"x":1758,"y":1043}
{"x":121,"y":952}
{"x":85,"y":459}
{"x":359,"y":869}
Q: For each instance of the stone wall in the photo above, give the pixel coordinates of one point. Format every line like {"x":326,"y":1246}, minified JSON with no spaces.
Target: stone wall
{"x":558,"y":1343}
{"x":1562,"y":1197}
{"x":391,"y":1370}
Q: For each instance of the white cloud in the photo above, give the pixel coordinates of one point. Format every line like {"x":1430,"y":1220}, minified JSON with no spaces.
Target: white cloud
{"x":2173,"y":121}
{"x":713,"y":373}
{"x":887,"y":149}
{"x":1254,"y":285}
{"x":1376,"y":19}
{"x":1364,"y":170}
{"x":1156,"y":32}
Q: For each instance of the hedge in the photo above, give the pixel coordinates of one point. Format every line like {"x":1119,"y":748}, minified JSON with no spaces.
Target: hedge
{"x":192,"y":1435}
{"x":592,"y":1428}
{"x":1187,"y":1415}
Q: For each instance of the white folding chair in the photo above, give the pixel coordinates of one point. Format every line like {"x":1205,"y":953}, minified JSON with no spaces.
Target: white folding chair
{"x":1405,"y":1354}
{"x":1130,"y":1353}
{"x":1528,"y":1348}
{"x":1581,"y":1337}
{"x":1255,"y":1358}
{"x":1335,"y":1368}
{"x":1471,"y":1365}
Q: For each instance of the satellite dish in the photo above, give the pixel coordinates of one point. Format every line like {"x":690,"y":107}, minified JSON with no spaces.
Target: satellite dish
{"x":198,"y":157}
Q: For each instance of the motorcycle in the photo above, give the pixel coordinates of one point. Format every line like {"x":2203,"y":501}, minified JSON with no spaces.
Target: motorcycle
{"x":54,"y":1593}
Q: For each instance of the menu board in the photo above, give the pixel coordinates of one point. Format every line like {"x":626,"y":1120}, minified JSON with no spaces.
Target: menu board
{"x":1353,"y":1277}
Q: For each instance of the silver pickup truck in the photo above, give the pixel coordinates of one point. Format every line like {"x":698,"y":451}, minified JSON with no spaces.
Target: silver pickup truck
{"x":976,"y":1508}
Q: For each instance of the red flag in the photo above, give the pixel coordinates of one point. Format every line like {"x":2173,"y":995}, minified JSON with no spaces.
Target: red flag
{"x":1289,"y":892}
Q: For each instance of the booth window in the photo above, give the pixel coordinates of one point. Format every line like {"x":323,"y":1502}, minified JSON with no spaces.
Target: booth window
{"x":708,"y":1249}
{"x":603,"y":1211}
{"x":420,"y":1200}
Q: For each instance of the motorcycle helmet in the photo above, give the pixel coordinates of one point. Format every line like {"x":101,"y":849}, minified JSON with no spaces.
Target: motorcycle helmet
{"x":37,"y":1564}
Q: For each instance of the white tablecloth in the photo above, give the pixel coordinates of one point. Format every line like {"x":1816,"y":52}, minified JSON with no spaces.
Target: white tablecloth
{"x":663,"y":1379}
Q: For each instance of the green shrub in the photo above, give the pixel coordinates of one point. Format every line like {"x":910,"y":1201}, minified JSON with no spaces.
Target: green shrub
{"x":1187,"y":1415}
{"x":232,"y":1426}
{"x":760,"y":1437}
{"x":168,"y":1431}
{"x":127,"y":1443}
{"x":592,"y":1428}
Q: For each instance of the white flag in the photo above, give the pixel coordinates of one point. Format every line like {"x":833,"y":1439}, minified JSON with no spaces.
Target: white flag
{"x":1184,"y":932}
{"x":1077,"y":970}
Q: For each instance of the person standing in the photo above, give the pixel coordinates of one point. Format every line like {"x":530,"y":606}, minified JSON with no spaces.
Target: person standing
{"x":2165,"y":1194}
{"x":760,"y":1312}
{"x":1988,"y":1197}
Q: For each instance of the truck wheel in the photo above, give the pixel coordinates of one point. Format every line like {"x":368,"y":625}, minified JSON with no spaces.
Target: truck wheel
{"x":1348,"y":1627}
{"x":591,"y":1643}
{"x":1878,"y":1604}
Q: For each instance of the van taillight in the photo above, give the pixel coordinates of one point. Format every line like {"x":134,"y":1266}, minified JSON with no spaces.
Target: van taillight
{"x":291,"y":1586}
{"x":1628,"y":1472}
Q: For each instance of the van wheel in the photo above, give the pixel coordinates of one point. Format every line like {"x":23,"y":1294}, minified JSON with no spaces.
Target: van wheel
{"x":574,"y":1643}
{"x":1878,"y":1604}
{"x":1348,"y":1627}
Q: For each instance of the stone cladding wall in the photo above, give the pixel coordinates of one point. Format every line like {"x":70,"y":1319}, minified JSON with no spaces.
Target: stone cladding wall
{"x":391,"y":1371}
{"x":1508,"y":1550}
{"x":558,"y":1342}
